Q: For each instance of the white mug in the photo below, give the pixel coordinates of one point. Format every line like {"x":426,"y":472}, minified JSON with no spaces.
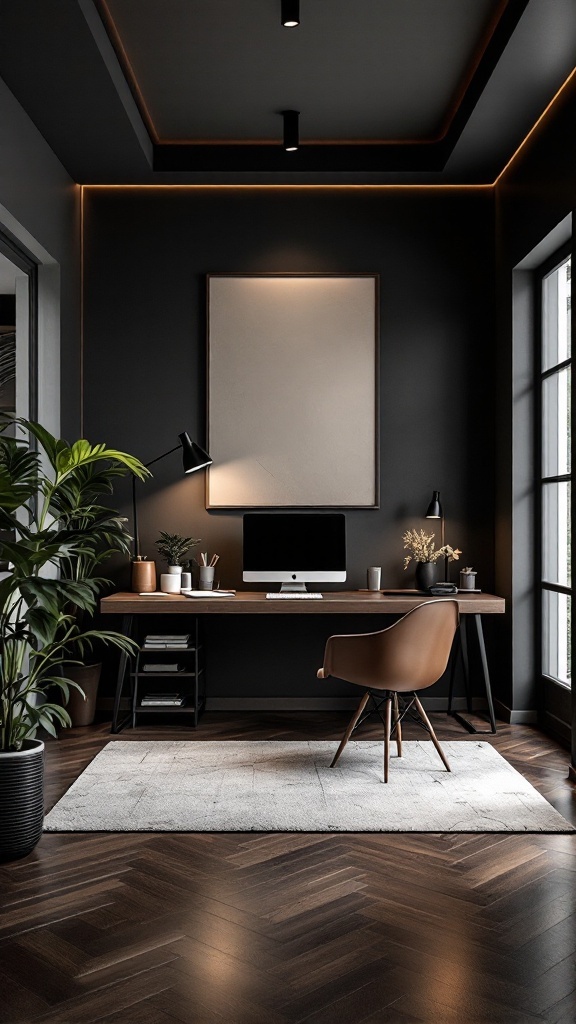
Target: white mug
{"x":170,"y":583}
{"x":374,"y":573}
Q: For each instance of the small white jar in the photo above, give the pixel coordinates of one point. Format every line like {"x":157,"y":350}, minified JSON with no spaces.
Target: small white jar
{"x":170,"y":583}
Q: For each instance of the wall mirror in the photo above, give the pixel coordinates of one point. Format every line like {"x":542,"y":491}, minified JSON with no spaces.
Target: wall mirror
{"x":292,"y":391}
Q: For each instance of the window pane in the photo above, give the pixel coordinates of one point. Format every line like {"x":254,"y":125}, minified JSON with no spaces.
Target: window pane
{"x":556,"y":533}
{"x":556,"y":316}
{"x":556,"y":628}
{"x":556,"y":424}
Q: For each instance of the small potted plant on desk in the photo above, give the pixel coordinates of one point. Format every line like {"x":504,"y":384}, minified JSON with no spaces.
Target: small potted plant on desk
{"x":423,"y":551}
{"x":172,"y":547}
{"x":51,"y":534}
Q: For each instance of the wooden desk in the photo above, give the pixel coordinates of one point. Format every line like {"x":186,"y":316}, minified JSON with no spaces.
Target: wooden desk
{"x":343,"y":602}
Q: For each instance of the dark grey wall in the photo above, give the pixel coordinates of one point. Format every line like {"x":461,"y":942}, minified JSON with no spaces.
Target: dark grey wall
{"x":39,"y":207}
{"x":147,"y":253}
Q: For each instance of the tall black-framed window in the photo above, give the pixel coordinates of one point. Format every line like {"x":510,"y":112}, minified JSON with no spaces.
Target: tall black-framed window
{"x":554,"y":468}
{"x":23,"y":262}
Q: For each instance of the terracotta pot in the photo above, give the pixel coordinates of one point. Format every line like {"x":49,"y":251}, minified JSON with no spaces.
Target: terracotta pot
{"x":21,"y":799}
{"x":143,"y":577}
{"x":82,"y":711}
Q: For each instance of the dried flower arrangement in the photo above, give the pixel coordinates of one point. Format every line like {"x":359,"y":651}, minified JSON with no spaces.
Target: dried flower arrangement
{"x":422,"y":548}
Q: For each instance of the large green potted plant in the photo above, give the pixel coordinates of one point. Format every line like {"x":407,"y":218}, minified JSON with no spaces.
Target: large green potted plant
{"x":80,"y":511}
{"x":53,"y":535}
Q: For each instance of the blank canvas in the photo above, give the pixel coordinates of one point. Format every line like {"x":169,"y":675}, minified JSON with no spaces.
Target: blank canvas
{"x":292,"y":391}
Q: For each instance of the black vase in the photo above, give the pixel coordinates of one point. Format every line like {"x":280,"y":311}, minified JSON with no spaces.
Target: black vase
{"x":425,"y":575}
{"x":21,"y":799}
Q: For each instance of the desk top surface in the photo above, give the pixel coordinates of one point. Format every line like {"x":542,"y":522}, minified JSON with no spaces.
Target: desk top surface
{"x":251,"y":603}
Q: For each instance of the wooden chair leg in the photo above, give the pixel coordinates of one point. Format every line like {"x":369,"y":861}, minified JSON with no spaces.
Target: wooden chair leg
{"x":388,"y":722}
{"x":433,"y":737}
{"x":350,"y":727}
{"x":398,"y":726}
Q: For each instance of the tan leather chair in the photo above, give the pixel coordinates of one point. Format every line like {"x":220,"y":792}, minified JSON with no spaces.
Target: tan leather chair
{"x":408,"y":656}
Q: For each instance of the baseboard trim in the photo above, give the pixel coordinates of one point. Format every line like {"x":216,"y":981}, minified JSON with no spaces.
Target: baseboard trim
{"x":558,"y":728}
{"x":515,"y":717}
{"x":437,"y":704}
{"x":281,"y":703}
{"x":319,"y":704}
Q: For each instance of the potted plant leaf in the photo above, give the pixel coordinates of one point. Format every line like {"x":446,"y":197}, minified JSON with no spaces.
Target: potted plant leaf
{"x":173,"y":548}
{"x":80,"y":509}
{"x":51,"y":534}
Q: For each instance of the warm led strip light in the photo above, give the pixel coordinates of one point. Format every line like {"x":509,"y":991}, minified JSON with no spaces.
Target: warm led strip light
{"x":544,"y":113}
{"x":286,"y":187}
{"x":534,"y":126}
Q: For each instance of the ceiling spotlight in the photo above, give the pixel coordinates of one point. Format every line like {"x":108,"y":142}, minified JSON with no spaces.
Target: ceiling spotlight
{"x":290,"y":13}
{"x":291,"y":136}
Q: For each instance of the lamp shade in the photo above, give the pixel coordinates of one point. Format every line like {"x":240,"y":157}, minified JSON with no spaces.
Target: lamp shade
{"x":434,"y":510}
{"x":290,"y":13}
{"x":291,"y":130}
{"x":193,"y":457}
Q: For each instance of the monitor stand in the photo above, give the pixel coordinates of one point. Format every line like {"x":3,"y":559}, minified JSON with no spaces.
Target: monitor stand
{"x":293,"y":588}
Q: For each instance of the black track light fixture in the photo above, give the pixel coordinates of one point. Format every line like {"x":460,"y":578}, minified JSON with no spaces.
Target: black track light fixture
{"x":290,"y":16}
{"x":291,"y":131}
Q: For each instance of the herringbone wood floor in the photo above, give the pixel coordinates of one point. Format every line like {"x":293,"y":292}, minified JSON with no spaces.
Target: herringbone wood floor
{"x":278,"y":929}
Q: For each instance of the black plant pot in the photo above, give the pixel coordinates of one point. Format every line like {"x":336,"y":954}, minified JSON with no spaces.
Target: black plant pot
{"x":82,"y":706}
{"x":425,"y":574}
{"x":21,"y":799}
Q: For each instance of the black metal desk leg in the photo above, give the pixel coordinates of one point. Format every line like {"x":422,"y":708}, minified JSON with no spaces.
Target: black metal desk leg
{"x":453,"y":662}
{"x":486,"y":675}
{"x":465,"y":662}
{"x":126,"y":629}
{"x":485,"y":671}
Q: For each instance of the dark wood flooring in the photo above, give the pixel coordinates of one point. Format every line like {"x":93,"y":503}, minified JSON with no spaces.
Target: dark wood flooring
{"x":284,"y":928}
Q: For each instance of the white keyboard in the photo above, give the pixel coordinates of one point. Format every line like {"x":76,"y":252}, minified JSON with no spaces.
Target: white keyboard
{"x":287,"y":596}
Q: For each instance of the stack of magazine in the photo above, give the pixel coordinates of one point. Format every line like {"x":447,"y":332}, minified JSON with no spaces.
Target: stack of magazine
{"x":164,"y":643}
{"x":174,"y":642}
{"x":163,"y":700}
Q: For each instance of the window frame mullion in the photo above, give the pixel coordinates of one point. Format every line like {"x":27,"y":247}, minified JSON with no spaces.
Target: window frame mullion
{"x":542,"y":480}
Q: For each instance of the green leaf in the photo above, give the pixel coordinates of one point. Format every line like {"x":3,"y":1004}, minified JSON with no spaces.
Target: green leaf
{"x":82,"y":453}
{"x":51,"y":445}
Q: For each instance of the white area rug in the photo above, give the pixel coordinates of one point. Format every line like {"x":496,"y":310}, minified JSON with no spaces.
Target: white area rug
{"x":268,"y":786}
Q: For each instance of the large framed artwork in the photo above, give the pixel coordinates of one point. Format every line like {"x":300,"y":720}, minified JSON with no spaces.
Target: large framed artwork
{"x":293,"y":391}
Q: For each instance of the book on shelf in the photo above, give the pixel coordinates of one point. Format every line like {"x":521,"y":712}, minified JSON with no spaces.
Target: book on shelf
{"x":170,"y":645}
{"x":163,"y":666}
{"x":164,"y":695}
{"x":163,"y":638}
{"x":162,"y":702}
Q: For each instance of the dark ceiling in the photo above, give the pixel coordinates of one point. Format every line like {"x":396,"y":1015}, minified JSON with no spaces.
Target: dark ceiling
{"x":391,"y":91}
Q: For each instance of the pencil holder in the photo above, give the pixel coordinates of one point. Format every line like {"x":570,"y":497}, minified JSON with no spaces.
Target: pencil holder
{"x":206,"y":577}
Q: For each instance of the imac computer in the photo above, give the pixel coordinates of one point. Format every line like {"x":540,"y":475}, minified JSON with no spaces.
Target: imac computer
{"x":294,"y":548}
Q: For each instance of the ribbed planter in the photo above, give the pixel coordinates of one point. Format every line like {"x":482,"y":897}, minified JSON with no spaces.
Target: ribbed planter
{"x":21,"y":799}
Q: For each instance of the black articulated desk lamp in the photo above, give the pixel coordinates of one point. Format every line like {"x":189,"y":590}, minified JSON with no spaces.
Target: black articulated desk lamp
{"x":193,"y":458}
{"x":434,"y":511}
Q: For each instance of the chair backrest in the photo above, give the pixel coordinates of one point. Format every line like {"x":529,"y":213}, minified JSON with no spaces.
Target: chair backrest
{"x":410,"y":655}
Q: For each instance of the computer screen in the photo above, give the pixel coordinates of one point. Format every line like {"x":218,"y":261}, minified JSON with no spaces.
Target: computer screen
{"x":293,"y":548}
